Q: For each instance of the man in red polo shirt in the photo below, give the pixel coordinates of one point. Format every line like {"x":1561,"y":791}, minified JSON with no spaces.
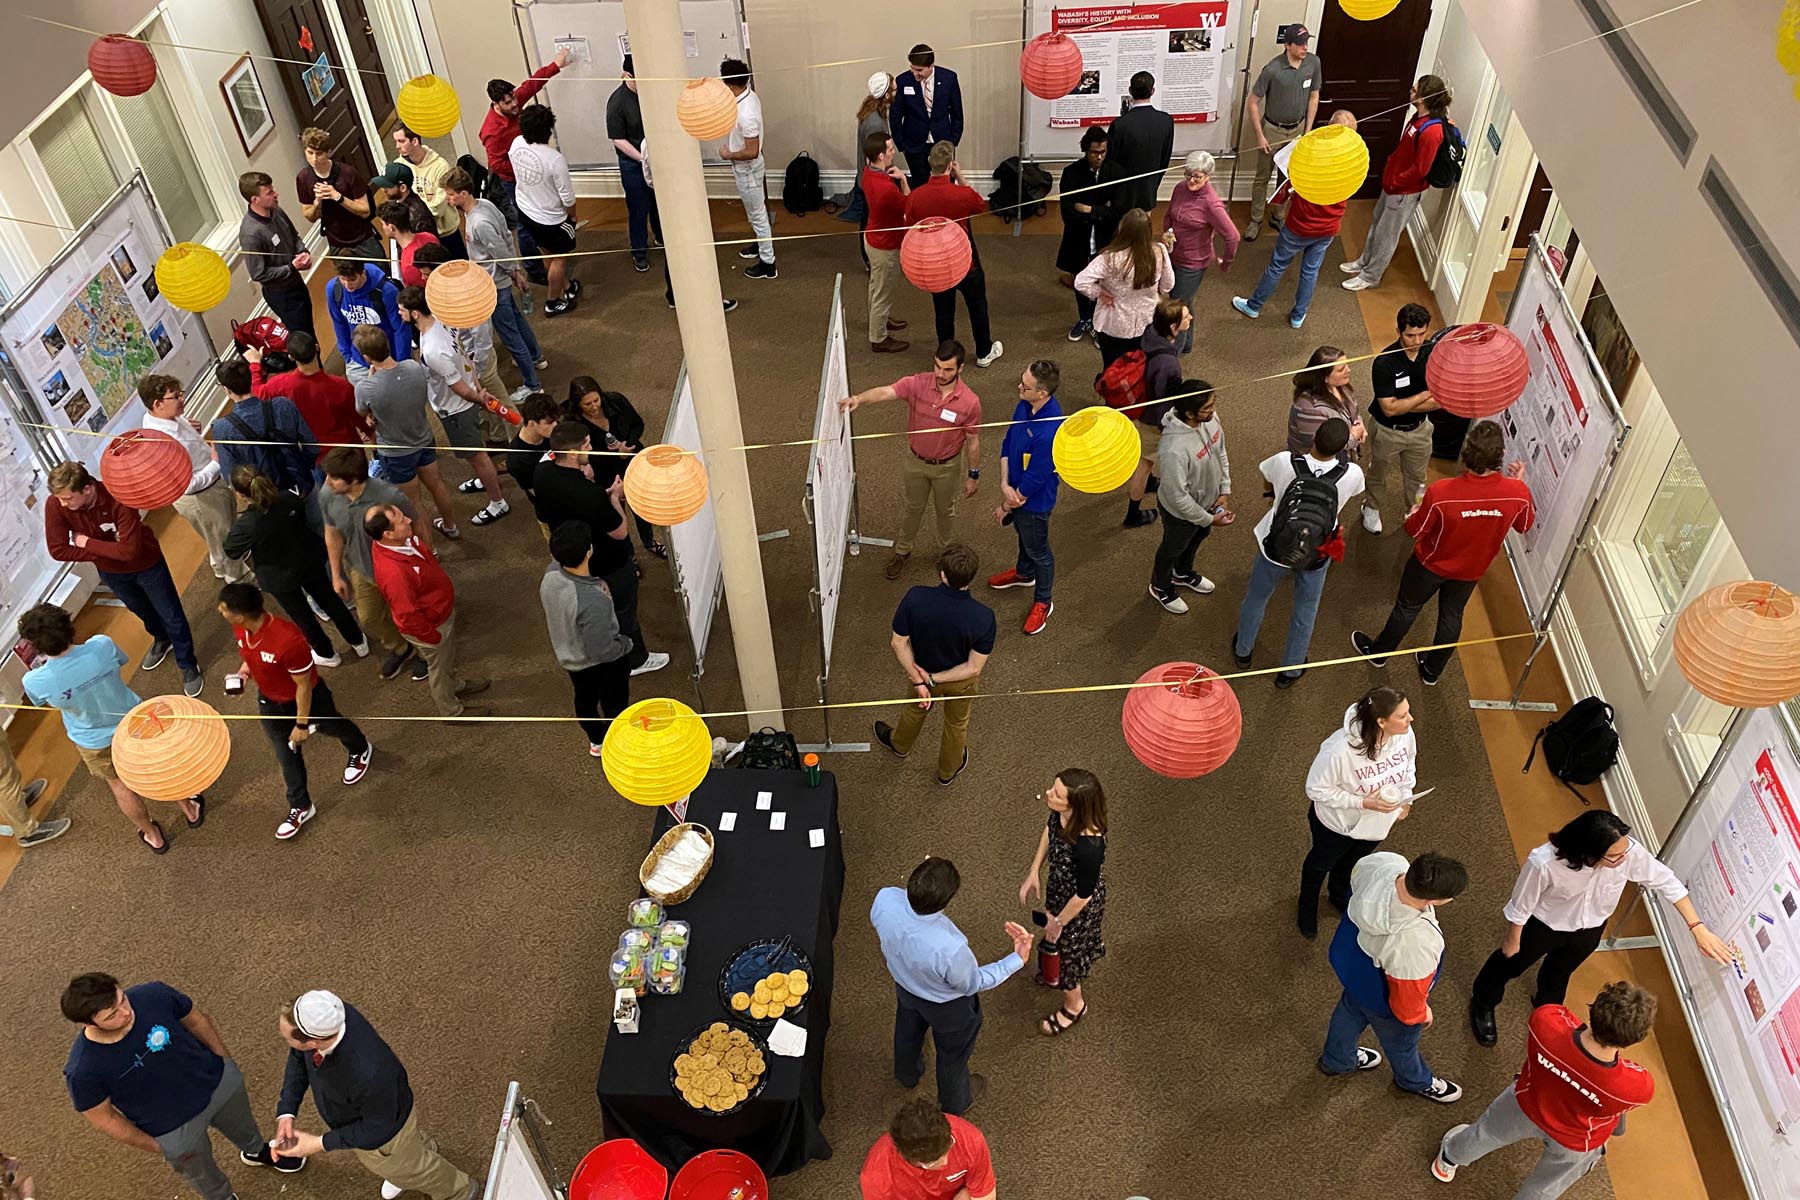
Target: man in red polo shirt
{"x":926,"y":1155}
{"x":423,"y":602}
{"x":1572,"y":1094}
{"x":884,"y":190}
{"x":943,"y":417}
{"x":946,"y":195}
{"x":498,"y":129}
{"x":1457,"y":529}
{"x":327,"y":402}
{"x":292,"y":700}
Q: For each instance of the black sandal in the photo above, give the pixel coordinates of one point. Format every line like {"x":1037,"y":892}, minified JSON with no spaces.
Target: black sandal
{"x":162,"y":849}
{"x":658,"y":549}
{"x":199,"y":803}
{"x":1051,"y":1027}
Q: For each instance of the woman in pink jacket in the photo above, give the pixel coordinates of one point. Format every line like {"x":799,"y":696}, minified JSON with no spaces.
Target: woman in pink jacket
{"x":1124,"y":281}
{"x":1194,"y":218}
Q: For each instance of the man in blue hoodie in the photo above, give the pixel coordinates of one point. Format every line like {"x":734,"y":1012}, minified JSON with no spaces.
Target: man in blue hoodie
{"x":362,"y":294}
{"x":1028,"y":489}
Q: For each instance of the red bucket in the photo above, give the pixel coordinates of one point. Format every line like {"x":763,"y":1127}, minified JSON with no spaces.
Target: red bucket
{"x":619,"y":1170}
{"x":720,"y":1175}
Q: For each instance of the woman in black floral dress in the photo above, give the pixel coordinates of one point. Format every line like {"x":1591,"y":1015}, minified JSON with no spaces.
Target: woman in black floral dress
{"x":1074,"y":844}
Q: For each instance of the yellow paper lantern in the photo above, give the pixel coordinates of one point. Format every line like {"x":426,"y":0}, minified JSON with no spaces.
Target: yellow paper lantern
{"x":665,"y":485}
{"x":1096,"y":450}
{"x":170,"y":748}
{"x":428,"y":105}
{"x":1787,"y":42}
{"x":1329,"y":164}
{"x":706,"y":109}
{"x":192,"y":277}
{"x":1739,"y":644}
{"x":1368,"y":10}
{"x":656,"y":752}
{"x":461,"y":294}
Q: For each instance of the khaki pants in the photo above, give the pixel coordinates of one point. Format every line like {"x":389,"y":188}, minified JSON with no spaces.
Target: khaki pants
{"x":1265,"y":167}
{"x":884,"y":282}
{"x":956,"y":724}
{"x":494,"y":428}
{"x":372,"y":612}
{"x":925,"y":483}
{"x":1412,"y":447}
{"x":443,"y":681}
{"x":411,"y":1162}
{"x":212,"y":513}
{"x":12,"y":793}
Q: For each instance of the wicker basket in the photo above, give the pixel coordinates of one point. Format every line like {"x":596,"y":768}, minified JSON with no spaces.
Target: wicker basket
{"x":663,"y":845}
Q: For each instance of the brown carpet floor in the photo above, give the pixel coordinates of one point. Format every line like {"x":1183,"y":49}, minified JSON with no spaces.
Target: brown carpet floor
{"x":467,"y":895}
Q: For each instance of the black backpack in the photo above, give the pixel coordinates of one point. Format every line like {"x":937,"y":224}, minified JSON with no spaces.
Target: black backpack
{"x":1020,"y":188}
{"x":1447,"y":167}
{"x":770,"y":750}
{"x":1305,"y":517}
{"x":800,"y":190}
{"x":276,"y":451}
{"x":1579,"y":746}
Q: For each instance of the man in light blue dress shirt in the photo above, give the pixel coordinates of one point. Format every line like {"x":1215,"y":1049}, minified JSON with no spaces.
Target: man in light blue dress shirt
{"x":937,"y":980}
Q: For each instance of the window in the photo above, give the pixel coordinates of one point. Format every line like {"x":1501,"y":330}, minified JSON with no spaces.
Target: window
{"x":76,"y":164}
{"x":160,"y":148}
{"x":1677,"y":526}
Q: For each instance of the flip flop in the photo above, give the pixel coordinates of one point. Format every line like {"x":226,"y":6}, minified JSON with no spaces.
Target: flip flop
{"x":199,"y":803}
{"x":162,"y":849}
{"x":1051,"y":1027}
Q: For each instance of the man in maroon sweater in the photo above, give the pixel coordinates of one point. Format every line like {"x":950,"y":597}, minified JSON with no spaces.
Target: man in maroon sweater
{"x":327,"y":402}
{"x":498,"y":129}
{"x":423,"y":602}
{"x":83,"y":523}
{"x":1403,"y":181}
{"x":1457,"y":529}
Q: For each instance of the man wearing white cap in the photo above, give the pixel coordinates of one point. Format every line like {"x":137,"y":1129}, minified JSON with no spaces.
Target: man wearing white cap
{"x":360,"y":1089}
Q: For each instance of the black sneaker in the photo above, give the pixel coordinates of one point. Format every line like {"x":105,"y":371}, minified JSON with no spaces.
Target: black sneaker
{"x":390,"y":666}
{"x":421,"y":670}
{"x":572,"y":290}
{"x":1443,"y":1091}
{"x":153,"y":657}
{"x":265,"y":1157}
{"x":1138,"y":519}
{"x":1364,"y":645}
{"x":1306,"y":917}
{"x":762,"y":270}
{"x":640,"y":265}
{"x":884,"y":733}
{"x":749,"y":252}
{"x":959,"y":770}
{"x":1426,"y":675}
{"x":556,"y":308}
{"x":1287,"y":679}
{"x":1242,"y":660}
{"x":730,"y":305}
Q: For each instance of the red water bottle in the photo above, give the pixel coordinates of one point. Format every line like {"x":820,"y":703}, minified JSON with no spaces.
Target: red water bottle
{"x":1049,"y":963}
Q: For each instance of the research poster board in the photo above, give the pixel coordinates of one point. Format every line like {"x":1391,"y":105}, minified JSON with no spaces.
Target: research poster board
{"x":1566,"y":428}
{"x":695,"y":559}
{"x":515,"y":1172}
{"x":27,"y":572}
{"x":831,"y":476}
{"x":1190,"y":47}
{"x":1739,"y":854}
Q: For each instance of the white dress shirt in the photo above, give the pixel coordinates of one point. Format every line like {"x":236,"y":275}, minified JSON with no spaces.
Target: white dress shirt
{"x":200,"y":455}
{"x":1566,"y":899}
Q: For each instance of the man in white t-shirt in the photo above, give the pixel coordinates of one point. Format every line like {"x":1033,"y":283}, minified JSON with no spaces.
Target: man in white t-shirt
{"x":743,"y":150}
{"x":545,"y":197}
{"x":1309,"y":575}
{"x":452,"y":386}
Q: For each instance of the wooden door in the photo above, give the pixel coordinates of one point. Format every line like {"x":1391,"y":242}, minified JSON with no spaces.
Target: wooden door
{"x":320,"y":93}
{"x":1369,"y":69}
{"x":1537,"y":203}
{"x":367,"y":55}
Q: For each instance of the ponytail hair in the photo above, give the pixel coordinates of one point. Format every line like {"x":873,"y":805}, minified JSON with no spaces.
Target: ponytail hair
{"x":250,"y":483}
{"x":1377,"y":705}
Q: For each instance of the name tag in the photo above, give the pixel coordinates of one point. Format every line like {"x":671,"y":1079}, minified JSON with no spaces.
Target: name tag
{"x":1025,"y":461}
{"x":1306,"y":83}
{"x":946,"y":416}
{"x":274,"y":239}
{"x":908,"y":92}
{"x":1403,"y":381}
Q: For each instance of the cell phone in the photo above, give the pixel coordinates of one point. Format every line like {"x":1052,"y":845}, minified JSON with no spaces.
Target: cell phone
{"x":1040,"y":918}
{"x":234,"y":685}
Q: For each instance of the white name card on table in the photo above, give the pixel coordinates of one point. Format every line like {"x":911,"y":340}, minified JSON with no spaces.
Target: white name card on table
{"x":764,"y":799}
{"x":816,"y":838}
{"x":786,"y":1039}
{"x":727,"y":822}
{"x":777,"y":822}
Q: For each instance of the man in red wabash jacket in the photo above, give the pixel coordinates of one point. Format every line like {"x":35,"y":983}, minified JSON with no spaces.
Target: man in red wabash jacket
{"x":1457,"y":529}
{"x":423,"y":602}
{"x":1572,"y":1094}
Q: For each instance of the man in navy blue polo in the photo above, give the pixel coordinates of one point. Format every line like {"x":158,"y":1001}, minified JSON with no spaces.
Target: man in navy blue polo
{"x":942,"y":637}
{"x":1028,"y":489}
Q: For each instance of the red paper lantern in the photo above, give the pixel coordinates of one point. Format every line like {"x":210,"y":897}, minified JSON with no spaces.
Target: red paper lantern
{"x":1050,"y":65}
{"x":1477,"y":370}
{"x":1186,"y":727}
{"x":935,"y":254}
{"x":122,"y":65}
{"x":145,"y":468}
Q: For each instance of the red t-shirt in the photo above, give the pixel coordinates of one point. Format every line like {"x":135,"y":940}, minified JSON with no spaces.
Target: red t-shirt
{"x":1462,"y":522}
{"x":937,"y":426}
{"x":887,"y":210}
{"x":938,"y":197}
{"x":1569,"y":1094}
{"x":276,"y":654}
{"x":887,"y":1176}
{"x":326,"y":401}
{"x":409,"y":274}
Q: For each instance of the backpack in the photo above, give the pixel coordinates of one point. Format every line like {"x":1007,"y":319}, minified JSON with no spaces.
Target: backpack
{"x":488,"y":184}
{"x":770,"y":750}
{"x":1019,"y":191}
{"x":1305,"y":517}
{"x":800,"y":189}
{"x":287,"y":465}
{"x":1123,"y":383}
{"x":1579,"y":746}
{"x":1447,"y":167}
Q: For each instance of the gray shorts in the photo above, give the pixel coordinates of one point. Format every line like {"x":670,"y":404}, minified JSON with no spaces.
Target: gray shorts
{"x":463,"y":431}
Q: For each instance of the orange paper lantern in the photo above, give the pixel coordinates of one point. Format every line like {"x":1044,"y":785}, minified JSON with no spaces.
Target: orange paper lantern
{"x":1477,"y":370}
{"x":707,"y":109}
{"x":122,"y":65}
{"x":170,"y":748}
{"x":1739,"y":644}
{"x":1050,"y":65}
{"x":935,"y":254}
{"x":665,"y":485}
{"x":1187,"y":725}
{"x":145,"y":468}
{"x":461,"y":294}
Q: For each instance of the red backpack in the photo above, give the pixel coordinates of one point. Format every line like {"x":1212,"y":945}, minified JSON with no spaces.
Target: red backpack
{"x":1122,"y":385}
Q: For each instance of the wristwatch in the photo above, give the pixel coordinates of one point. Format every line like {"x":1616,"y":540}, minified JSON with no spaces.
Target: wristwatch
{"x":974,"y":474}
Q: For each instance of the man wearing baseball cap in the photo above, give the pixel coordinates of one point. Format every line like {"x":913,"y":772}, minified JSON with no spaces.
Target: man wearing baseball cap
{"x":361,"y":1092}
{"x":397,"y":180}
{"x":1283,"y":103}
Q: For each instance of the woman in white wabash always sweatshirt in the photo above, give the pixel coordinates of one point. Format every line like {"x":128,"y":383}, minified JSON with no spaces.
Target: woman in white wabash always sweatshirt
{"x":1349,"y":816}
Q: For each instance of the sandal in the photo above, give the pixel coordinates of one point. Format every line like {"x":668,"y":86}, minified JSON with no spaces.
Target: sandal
{"x":658,"y":549}
{"x":449,"y":531}
{"x":162,"y":849}
{"x":199,"y":803}
{"x":1051,"y":1027}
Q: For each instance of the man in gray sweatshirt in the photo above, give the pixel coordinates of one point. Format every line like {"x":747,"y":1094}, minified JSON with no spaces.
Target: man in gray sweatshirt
{"x":1196,"y":483}
{"x":273,"y":253}
{"x":584,"y":631}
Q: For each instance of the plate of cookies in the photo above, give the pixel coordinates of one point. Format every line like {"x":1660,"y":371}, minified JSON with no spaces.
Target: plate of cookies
{"x":765,"y":981}
{"x":719,"y":1069}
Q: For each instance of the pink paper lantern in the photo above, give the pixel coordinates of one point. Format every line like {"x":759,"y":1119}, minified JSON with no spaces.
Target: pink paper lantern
{"x":1050,"y":65}
{"x":935,"y":254}
{"x":1477,"y":370}
{"x":122,"y":65}
{"x":1185,"y":728}
{"x":145,"y":468}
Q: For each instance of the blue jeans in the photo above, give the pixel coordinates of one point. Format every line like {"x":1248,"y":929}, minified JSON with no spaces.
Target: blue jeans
{"x":1308,"y":587}
{"x":535,"y":270}
{"x":1287,"y":245}
{"x":1035,"y":560}
{"x":1399,"y":1041}
{"x":515,"y":333}
{"x":637,"y":205}
{"x":152,"y":597}
{"x":1187,"y":284}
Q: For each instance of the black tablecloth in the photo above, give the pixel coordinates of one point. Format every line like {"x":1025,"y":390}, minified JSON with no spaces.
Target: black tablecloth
{"x":762,"y":884}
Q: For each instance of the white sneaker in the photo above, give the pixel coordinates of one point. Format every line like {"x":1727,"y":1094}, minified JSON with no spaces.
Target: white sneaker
{"x":1195,"y":583}
{"x":389,"y":1191}
{"x":1354,"y":267}
{"x":594,"y":749}
{"x":992,"y":356}
{"x":333,"y":660}
{"x":1168,"y":600}
{"x":655,"y":662}
{"x":1442,"y":1169}
{"x":361,"y":648}
{"x":295,"y":819}
{"x":1371,"y":518}
{"x":1356,"y":283}
{"x":521,"y":394}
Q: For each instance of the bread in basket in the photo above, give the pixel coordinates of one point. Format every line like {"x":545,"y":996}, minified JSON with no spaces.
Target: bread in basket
{"x":664,"y":844}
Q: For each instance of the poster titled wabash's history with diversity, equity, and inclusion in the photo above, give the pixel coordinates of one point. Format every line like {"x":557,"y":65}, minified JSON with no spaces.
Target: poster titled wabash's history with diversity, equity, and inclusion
{"x":1183,"y":45}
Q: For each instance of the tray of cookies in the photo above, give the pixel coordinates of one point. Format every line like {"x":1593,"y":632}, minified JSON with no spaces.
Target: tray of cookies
{"x":765,"y":980}
{"x":719,"y":1069}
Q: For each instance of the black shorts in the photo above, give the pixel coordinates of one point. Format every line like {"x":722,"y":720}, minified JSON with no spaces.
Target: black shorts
{"x":551,"y":239}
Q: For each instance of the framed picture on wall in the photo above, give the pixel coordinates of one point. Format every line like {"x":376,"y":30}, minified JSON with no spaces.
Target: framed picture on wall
{"x":248,"y":105}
